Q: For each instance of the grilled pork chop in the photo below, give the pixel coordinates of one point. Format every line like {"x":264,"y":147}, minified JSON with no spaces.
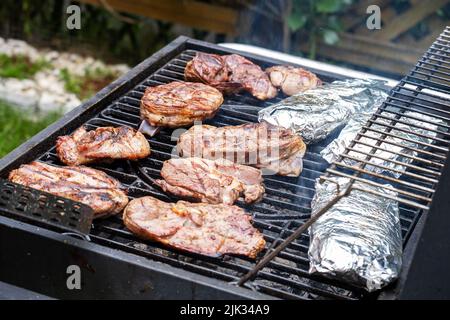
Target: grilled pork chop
{"x":292,"y":80}
{"x":206,"y":229}
{"x":230,"y":73}
{"x":261,"y":145}
{"x":209,"y":181}
{"x":104,"y":143}
{"x":94,"y":188}
{"x":179,"y":104}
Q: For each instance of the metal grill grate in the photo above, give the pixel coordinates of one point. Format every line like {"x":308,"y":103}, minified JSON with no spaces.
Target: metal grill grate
{"x":417,"y":108}
{"x":286,"y":205}
{"x":418,"y":95}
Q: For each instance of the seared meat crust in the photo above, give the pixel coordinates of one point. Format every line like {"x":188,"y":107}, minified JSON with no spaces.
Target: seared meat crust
{"x":101,"y":144}
{"x":261,"y":145}
{"x":209,"y":181}
{"x":206,"y":229}
{"x":103,"y":194}
{"x":292,"y":80}
{"x":230,"y":74}
{"x":179,"y":104}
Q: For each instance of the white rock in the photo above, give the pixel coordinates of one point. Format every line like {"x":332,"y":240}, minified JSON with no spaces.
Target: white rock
{"x":120,"y":68}
{"x":45,"y":91}
{"x":51,"y":102}
{"x":49,"y":81}
{"x":71,"y":103}
{"x":19,"y":92}
{"x":51,"y":55}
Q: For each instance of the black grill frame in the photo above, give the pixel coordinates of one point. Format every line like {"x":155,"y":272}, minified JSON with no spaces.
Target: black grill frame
{"x":314,"y":287}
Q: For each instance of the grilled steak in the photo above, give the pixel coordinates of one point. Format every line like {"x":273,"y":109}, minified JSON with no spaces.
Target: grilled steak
{"x":179,"y":104}
{"x":262,"y":145}
{"x":101,"y":144}
{"x":209,"y":181}
{"x":292,"y":80}
{"x":208,"y":229}
{"x":92,"y":187}
{"x":230,"y":73}
{"x":250,"y":76}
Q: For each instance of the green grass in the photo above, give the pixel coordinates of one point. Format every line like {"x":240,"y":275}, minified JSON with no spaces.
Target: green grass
{"x":16,"y":128}
{"x":89,"y":84}
{"x":20,"y":66}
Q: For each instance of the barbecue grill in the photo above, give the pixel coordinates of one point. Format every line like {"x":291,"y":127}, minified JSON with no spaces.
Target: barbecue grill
{"x":116,"y":264}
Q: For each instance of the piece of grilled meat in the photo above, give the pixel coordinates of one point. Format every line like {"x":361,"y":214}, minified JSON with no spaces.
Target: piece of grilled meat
{"x":209,"y":181}
{"x":265,"y":146}
{"x":101,"y":144}
{"x":103,"y":194}
{"x":292,"y":80}
{"x":252,"y":78}
{"x":178,"y":104}
{"x":229,"y":74}
{"x":208,"y":229}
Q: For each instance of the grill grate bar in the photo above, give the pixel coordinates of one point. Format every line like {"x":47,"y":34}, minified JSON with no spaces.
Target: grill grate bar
{"x":415,"y":125}
{"x":434,"y":86}
{"x":376,"y":184}
{"x":375,"y":175}
{"x":377,"y":147}
{"x":438,"y":101}
{"x":388,"y":110}
{"x":407,"y":173}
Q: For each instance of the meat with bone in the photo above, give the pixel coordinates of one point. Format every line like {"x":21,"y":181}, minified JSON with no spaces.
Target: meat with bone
{"x":101,"y":144}
{"x":230,"y":73}
{"x":179,"y":104}
{"x":219,"y":181}
{"x":208,"y":229}
{"x":262,"y":145}
{"x":292,"y":80}
{"x":94,"y":188}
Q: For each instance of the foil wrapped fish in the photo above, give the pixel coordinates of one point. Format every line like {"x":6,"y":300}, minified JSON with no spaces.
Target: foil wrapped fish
{"x":316,"y":113}
{"x":359,"y":239}
{"x":414,"y":129}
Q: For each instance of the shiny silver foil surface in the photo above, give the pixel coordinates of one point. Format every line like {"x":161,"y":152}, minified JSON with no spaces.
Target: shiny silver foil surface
{"x":358,"y":240}
{"x":314,"y":114}
{"x":399,"y":151}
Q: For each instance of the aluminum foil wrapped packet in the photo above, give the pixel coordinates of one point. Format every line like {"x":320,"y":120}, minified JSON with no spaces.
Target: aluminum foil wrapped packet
{"x":316,"y":113}
{"x":358,"y":240}
{"x":424,"y":132}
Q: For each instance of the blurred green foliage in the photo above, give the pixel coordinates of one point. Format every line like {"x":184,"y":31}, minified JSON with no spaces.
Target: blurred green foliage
{"x":15,"y":127}
{"x":90,"y":83}
{"x":20,"y":66}
{"x":102,"y":34}
{"x":319,"y":18}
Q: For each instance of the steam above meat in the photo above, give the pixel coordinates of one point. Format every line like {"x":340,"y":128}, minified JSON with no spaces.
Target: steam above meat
{"x":230,"y":73}
{"x":262,"y":145}
{"x":94,"y":188}
{"x":209,"y":181}
{"x":206,"y":229}
{"x":292,"y":80}
{"x":101,"y":144}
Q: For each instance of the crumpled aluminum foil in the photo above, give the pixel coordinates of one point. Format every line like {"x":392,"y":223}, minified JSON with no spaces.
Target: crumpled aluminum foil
{"x":314,"y":114}
{"x":336,"y":147}
{"x":359,"y":239}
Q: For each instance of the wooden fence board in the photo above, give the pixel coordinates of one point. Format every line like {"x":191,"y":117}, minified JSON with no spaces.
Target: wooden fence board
{"x":408,"y":19}
{"x":192,"y":13}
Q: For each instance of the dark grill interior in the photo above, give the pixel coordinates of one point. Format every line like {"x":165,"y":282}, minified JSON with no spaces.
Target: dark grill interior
{"x":286,"y":205}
